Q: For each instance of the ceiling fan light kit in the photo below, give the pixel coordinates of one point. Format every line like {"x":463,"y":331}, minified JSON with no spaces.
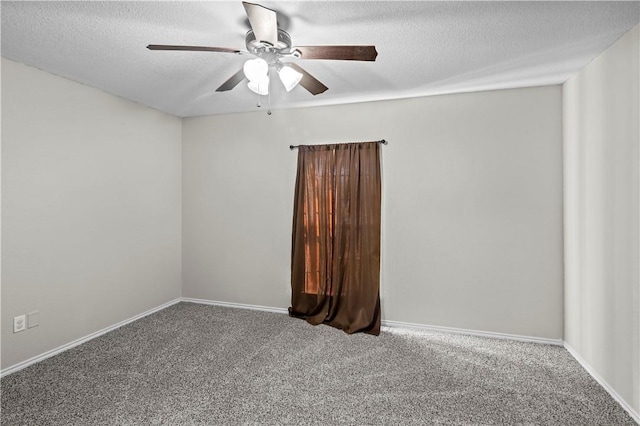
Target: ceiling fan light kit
{"x":257,"y":72}
{"x":289,"y":77}
{"x":260,"y":86}
{"x":254,"y":69}
{"x":269,"y":44}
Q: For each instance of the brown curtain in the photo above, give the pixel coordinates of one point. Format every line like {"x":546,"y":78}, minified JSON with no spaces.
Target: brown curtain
{"x":335,"y":260}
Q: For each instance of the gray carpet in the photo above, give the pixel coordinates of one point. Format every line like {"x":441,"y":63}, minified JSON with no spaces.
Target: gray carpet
{"x":197,"y":364}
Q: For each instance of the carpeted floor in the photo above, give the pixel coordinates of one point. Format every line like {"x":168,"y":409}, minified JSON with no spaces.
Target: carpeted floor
{"x":207,"y":365}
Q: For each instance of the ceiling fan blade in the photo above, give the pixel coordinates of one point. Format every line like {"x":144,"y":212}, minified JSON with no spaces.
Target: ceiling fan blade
{"x":309,"y":82}
{"x":192,"y":48}
{"x":263,"y":22}
{"x":346,"y":53}
{"x":233,"y":81}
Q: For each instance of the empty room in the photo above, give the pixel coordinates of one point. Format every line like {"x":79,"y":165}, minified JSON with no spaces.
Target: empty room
{"x":319,"y":212}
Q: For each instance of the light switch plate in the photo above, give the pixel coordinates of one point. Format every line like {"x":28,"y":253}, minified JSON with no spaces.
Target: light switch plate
{"x":33,"y":319}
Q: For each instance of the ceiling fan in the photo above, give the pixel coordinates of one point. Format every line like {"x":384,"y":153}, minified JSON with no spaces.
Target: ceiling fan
{"x":269,"y":44}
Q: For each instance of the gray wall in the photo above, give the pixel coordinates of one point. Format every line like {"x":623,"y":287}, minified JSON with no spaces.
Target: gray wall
{"x":90,"y":209}
{"x":92,"y":193}
{"x":472,"y":214}
{"x":602,"y":214}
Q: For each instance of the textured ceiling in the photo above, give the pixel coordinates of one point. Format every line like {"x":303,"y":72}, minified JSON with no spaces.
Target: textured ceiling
{"x":424,"y":48}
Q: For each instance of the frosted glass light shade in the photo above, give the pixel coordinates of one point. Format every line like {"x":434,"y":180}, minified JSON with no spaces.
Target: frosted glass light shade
{"x":260,"y":86}
{"x":255,"y":69}
{"x":289,"y":77}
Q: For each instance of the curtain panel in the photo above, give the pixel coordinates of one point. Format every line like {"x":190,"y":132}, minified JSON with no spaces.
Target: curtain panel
{"x":335,"y":260}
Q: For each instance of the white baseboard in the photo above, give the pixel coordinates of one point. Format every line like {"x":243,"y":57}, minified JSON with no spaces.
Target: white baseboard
{"x":19,"y":366}
{"x":493,"y":335}
{"x":236,"y":305}
{"x":602,"y":382}
{"x":391,"y":324}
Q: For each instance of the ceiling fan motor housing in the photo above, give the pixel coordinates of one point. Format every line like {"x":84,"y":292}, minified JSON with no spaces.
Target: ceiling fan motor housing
{"x":266,"y":50}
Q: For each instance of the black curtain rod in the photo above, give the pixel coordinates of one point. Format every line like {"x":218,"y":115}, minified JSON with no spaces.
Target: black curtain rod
{"x":383,"y":142}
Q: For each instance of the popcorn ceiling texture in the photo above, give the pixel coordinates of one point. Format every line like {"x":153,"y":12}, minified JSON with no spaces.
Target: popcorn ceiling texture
{"x":197,"y":364}
{"x":424,"y":48}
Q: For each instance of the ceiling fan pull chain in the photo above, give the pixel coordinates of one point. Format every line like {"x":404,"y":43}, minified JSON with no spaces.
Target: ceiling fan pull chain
{"x":269,"y":94}
{"x":259,"y":105}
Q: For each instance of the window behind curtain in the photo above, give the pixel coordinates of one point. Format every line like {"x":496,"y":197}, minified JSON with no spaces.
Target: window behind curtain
{"x":336,"y":236}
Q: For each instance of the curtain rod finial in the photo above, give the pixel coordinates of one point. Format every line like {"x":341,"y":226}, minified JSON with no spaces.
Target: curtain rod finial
{"x":291,"y":147}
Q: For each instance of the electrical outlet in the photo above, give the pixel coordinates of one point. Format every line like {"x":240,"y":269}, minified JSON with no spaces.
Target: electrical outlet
{"x":19,"y":323}
{"x":33,"y":319}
